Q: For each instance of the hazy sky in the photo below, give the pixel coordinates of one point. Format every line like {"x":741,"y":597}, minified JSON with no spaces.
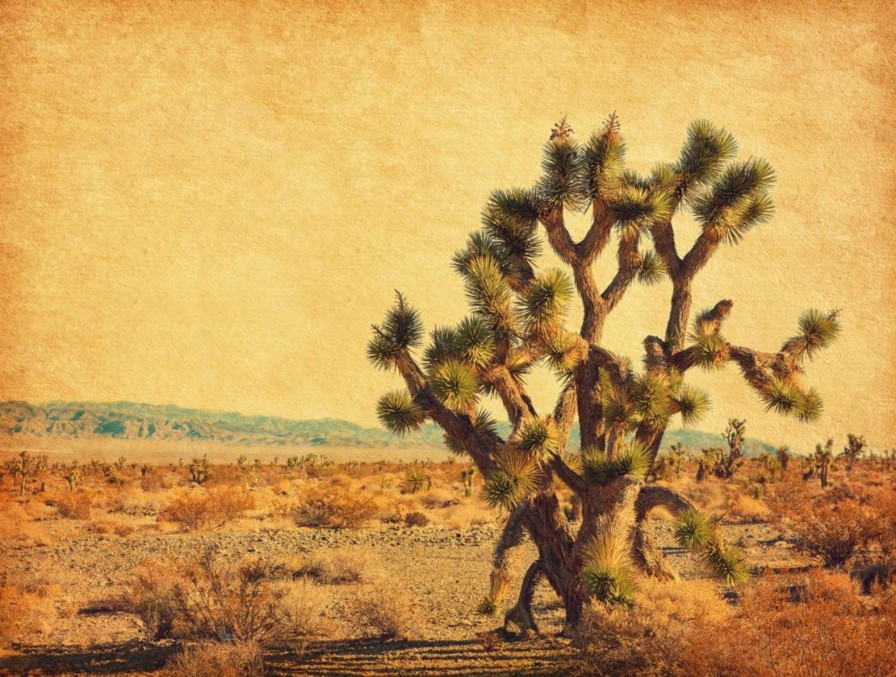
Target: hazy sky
{"x":208,"y":204}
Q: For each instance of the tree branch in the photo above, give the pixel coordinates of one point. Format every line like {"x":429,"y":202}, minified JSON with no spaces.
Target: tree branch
{"x":558,"y":235}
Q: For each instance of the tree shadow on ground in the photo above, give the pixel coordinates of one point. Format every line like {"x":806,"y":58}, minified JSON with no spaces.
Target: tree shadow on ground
{"x":541,"y":657}
{"x":98,"y":659}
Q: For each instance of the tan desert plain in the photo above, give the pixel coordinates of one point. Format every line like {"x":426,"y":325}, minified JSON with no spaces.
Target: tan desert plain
{"x":447,"y":339}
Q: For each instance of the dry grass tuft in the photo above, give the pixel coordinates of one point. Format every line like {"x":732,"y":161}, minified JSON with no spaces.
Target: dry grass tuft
{"x":212,"y":659}
{"x":382,"y":614}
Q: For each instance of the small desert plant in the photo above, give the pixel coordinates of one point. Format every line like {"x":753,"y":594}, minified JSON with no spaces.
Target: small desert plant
{"x":200,"y":470}
{"x":699,"y":534}
{"x":834,"y":532}
{"x":415,"y":481}
{"x":214,"y":659}
{"x":212,"y":598}
{"x":74,"y":506}
{"x":334,"y":510}
{"x":338,"y":567}
{"x":416,"y":519}
{"x":213,"y":509}
{"x":382,"y":614}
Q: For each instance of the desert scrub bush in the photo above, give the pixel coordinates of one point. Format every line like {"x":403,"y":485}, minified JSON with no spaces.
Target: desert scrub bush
{"x":74,"y":505}
{"x":337,"y":567}
{"x":835,"y":532}
{"x":212,"y":598}
{"x":416,"y":519}
{"x":329,"y":509}
{"x":382,"y":614}
{"x":650,"y":637}
{"x":215,"y":508}
{"x":824,"y":630}
{"x":215,"y":659}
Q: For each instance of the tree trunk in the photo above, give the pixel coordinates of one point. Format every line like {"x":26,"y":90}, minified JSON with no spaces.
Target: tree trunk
{"x":626,"y":503}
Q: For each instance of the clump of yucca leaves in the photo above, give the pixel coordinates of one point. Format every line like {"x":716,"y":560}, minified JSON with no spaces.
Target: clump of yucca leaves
{"x":600,"y":468}
{"x":699,"y":534}
{"x":608,"y":568}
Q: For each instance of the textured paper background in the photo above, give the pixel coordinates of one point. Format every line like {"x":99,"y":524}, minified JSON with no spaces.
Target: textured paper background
{"x":209,"y":203}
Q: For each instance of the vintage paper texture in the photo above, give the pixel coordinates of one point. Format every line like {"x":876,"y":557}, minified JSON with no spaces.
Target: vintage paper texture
{"x":208,"y":203}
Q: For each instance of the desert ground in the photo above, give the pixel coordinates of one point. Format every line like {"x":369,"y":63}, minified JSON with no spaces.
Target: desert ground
{"x":294,"y":564}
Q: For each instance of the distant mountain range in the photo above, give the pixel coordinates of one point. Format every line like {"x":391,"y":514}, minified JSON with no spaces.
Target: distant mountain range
{"x":132,"y":421}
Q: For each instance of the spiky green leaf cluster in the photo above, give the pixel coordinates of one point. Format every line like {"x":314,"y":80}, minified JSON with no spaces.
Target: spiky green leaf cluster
{"x":454,"y":384}
{"x":603,"y":159}
{"x":785,"y":397}
{"x":651,"y":396}
{"x":475,"y":341}
{"x":510,"y":218}
{"x":705,"y":152}
{"x":443,"y":346}
{"x":619,"y":411}
{"x":521,"y":468}
{"x":712,"y":349}
{"x":538,"y":437}
{"x":692,"y":403}
{"x":402,"y":329}
{"x":693,"y":530}
{"x":398,"y":412}
{"x":561,"y":351}
{"x":637,"y":207}
{"x":489,"y":294}
{"x":818,"y":330}
{"x":607,"y":566}
{"x":631,"y":459}
{"x":697,"y":533}
{"x":737,"y":200}
{"x":499,"y":490}
{"x":545,"y":303}
{"x":726,"y":562}
{"x":562,"y":179}
{"x":653,"y":268}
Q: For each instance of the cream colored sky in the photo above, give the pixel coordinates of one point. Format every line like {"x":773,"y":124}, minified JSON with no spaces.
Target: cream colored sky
{"x":208,"y":203}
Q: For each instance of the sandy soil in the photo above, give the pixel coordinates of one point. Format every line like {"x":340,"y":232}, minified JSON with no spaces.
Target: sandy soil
{"x":444,"y":571}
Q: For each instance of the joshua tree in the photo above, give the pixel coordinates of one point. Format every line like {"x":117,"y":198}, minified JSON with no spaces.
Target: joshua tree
{"x":518,"y":318}
{"x":821,"y":462}
{"x":783,"y":455}
{"x":23,"y":466}
{"x":200,"y":469}
{"x":725,"y":464}
{"x":855,"y":448}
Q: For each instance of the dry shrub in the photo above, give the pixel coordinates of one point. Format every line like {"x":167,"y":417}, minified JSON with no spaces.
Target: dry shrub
{"x":305,"y":610}
{"x":466,"y":515}
{"x":416,"y":519}
{"x":18,"y":524}
{"x":158,"y":479}
{"x":26,"y":607}
{"x":382,"y":614}
{"x":211,"y":509}
{"x":835,"y":531}
{"x":212,"y":659}
{"x":652,"y":637}
{"x":74,"y":505}
{"x":818,"y":627}
{"x":751,"y":510}
{"x":339,"y":567}
{"x":212,"y":598}
{"x":108,"y":528}
{"x":332,"y":509}
{"x":438,"y":498}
